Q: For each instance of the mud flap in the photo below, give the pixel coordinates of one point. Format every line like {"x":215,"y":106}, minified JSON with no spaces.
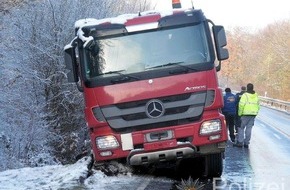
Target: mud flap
{"x":213,"y":165}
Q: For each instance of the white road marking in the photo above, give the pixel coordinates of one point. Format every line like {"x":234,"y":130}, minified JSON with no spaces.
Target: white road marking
{"x":277,"y":136}
{"x":144,"y":185}
{"x":284,"y":133}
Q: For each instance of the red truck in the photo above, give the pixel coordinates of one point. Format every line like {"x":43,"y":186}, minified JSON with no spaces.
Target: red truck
{"x":150,"y":87}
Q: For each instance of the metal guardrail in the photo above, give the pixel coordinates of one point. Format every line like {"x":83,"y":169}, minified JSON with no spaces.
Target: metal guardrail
{"x":276,"y":104}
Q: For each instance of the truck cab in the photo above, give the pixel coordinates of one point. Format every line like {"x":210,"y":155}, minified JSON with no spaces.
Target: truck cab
{"x":150,"y":87}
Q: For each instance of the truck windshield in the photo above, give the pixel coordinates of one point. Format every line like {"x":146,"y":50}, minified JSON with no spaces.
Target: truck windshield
{"x":146,"y":51}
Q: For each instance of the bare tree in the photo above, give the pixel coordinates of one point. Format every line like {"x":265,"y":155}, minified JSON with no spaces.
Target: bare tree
{"x":42,"y":118}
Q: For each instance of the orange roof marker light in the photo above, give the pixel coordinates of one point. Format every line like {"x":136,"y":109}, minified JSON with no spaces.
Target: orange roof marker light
{"x":176,"y":4}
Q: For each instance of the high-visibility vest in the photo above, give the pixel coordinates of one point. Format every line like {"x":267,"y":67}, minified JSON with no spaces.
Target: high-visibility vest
{"x":249,"y":104}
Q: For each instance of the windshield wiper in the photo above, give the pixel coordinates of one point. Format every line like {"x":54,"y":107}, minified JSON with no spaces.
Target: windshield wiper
{"x":165,"y":65}
{"x":125,"y":77}
{"x":113,"y":72}
{"x":177,"y":64}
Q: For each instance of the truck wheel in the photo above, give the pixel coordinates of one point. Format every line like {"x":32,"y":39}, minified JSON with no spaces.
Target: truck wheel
{"x":213,"y":165}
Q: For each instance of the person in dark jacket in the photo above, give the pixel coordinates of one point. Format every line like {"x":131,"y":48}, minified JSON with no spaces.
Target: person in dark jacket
{"x":229,"y":111}
{"x":238,"y":118}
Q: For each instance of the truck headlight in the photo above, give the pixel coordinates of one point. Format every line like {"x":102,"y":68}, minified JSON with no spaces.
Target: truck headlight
{"x":107,"y":142}
{"x":209,"y":127}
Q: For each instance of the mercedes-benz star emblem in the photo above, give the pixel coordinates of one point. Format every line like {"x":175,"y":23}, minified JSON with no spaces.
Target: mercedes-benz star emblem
{"x":154,"y":108}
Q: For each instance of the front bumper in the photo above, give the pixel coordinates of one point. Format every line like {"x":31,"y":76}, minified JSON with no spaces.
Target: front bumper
{"x":139,"y":157}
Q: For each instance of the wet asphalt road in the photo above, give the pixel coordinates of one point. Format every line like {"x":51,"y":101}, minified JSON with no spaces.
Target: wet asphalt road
{"x":265,"y":165}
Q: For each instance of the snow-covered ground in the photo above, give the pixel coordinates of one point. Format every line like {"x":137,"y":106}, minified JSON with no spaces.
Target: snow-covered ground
{"x":47,"y":177}
{"x":69,"y":177}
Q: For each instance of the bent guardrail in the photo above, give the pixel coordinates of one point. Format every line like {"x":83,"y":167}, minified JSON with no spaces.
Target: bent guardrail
{"x":276,"y":104}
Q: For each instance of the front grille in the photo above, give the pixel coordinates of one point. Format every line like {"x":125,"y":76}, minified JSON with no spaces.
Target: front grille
{"x":179,"y":109}
{"x":165,"y":99}
{"x":170,"y":111}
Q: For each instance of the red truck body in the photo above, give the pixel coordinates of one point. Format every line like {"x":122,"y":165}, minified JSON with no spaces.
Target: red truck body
{"x":147,"y":104}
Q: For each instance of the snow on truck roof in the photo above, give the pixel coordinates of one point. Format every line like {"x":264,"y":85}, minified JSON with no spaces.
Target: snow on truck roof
{"x":121,"y":19}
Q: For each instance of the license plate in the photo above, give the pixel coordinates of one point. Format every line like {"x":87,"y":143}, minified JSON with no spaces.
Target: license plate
{"x":159,"y":135}
{"x":160,"y":145}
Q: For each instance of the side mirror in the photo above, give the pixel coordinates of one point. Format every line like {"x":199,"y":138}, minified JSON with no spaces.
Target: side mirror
{"x":220,"y":42}
{"x":70,"y":62}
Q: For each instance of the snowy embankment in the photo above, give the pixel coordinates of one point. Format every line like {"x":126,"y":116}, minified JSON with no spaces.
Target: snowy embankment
{"x":46,"y":177}
{"x":74,"y":176}
{"x":67,"y":177}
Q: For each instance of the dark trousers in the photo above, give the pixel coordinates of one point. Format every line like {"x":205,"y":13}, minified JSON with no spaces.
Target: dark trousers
{"x":237,"y":123}
{"x":230,"y":120}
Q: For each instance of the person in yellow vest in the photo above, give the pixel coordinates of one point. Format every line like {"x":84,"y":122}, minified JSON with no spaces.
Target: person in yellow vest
{"x":249,"y":107}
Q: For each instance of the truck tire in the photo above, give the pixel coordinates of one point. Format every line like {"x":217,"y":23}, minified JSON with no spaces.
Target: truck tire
{"x":214,"y":165}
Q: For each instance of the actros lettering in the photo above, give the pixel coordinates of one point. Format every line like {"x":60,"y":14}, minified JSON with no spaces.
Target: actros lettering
{"x":194,"y":88}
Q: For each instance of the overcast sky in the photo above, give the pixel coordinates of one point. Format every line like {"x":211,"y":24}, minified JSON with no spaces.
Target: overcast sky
{"x":254,"y":14}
